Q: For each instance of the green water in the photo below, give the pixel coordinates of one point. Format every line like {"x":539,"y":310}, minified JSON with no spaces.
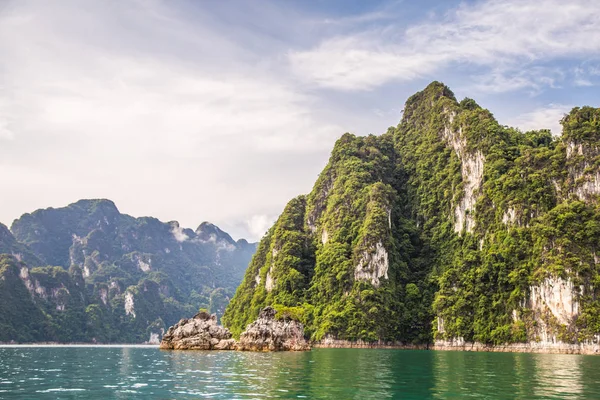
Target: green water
{"x":148,"y":373}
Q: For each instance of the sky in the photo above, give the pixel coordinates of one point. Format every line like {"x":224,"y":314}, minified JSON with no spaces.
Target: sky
{"x":223,"y":111}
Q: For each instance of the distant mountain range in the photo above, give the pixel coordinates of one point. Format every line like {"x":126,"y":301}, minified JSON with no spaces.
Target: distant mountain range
{"x":87,"y":273}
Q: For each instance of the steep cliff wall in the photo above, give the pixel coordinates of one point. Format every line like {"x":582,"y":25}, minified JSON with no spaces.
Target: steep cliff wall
{"x":450,"y":218}
{"x":117,"y":278}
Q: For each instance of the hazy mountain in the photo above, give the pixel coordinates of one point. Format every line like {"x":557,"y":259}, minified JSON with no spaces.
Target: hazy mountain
{"x":116,"y":278}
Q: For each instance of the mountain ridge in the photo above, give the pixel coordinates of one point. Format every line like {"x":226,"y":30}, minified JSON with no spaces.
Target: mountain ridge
{"x":97,"y":274}
{"x":447,"y":228}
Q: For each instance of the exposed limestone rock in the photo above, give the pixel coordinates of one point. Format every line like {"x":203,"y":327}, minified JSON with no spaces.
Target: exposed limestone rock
{"x":198,"y":333}
{"x":129,"y":304}
{"x":472,"y":176}
{"x":257,"y":279}
{"x":25,"y":277}
{"x":555,"y":347}
{"x":557,"y":295}
{"x":373,"y":265}
{"x":320,"y":204}
{"x":588,"y":184}
{"x":324,"y":236}
{"x":574,"y":149}
{"x":270,"y":334}
{"x":144,"y":266}
{"x":103,"y":292}
{"x":269,"y":282}
{"x":586,"y":177}
{"x":331,"y":342}
{"x":509,"y":216}
{"x":440,"y":325}
{"x":515,"y":315}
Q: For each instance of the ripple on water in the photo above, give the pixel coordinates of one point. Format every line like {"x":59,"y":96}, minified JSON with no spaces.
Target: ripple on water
{"x":147,"y":373}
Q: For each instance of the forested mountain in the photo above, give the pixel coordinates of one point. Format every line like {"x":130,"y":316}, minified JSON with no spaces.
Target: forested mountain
{"x":10,"y":245}
{"x":93,"y":274}
{"x":448,"y":227}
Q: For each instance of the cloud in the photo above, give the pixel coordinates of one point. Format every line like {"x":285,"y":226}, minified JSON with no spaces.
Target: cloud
{"x":542,"y":118}
{"x":220,"y":244}
{"x":224,"y":105}
{"x":494,"y":40}
{"x":178,"y":233}
{"x":132,"y":100}
{"x":5,"y":133}
{"x":258,"y":225}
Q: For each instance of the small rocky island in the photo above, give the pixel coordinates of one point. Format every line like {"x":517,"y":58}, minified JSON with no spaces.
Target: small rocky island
{"x":267,"y":333}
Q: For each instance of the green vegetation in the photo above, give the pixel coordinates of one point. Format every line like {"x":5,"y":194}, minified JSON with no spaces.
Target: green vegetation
{"x":444,"y":227}
{"x":115,"y":279}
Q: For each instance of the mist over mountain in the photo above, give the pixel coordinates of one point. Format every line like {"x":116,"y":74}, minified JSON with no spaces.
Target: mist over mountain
{"x":94,"y":274}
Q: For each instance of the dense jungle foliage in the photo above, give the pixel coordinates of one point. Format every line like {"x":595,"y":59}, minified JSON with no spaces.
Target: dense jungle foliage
{"x":441,"y":228}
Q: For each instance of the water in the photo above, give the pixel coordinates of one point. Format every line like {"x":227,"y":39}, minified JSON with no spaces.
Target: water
{"x":56,"y":372}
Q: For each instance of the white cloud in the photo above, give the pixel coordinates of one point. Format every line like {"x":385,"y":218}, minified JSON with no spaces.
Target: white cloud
{"x":178,"y":233}
{"x":130,"y":110}
{"x":502,"y":37}
{"x":5,"y":133}
{"x":137,"y":100}
{"x":542,"y":118}
{"x":258,"y":225}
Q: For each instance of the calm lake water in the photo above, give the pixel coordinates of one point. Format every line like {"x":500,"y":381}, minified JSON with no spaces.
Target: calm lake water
{"x":57,"y":372}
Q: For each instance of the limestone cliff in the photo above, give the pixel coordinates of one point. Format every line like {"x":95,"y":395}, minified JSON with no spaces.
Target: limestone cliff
{"x":116,"y":278}
{"x":450,"y":217}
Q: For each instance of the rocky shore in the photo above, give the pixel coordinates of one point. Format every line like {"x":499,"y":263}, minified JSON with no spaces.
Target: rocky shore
{"x":270,"y":334}
{"x":529,"y":347}
{"x":198,"y":333}
{"x":265,"y":334}
{"x":332,"y":343}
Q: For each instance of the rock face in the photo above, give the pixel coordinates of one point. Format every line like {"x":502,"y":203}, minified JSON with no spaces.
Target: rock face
{"x":129,"y":278}
{"x":265,"y":334}
{"x":198,"y":333}
{"x":452,"y":217}
{"x":270,"y":334}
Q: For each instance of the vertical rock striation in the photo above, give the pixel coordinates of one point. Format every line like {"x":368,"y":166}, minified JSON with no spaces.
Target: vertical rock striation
{"x":270,"y":334}
{"x":265,"y":334}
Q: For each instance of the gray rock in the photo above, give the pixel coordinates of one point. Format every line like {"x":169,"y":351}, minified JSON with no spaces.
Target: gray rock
{"x":198,"y":333}
{"x":265,"y":334}
{"x":269,"y":334}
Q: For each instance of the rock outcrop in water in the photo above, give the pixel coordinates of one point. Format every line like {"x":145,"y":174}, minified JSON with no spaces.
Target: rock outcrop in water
{"x":198,"y":333}
{"x":265,"y":334}
{"x":270,"y":334}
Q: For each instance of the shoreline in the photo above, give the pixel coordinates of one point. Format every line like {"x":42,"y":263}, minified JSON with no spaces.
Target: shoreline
{"x":54,"y":344}
{"x":530,"y":347}
{"x":360,"y":344}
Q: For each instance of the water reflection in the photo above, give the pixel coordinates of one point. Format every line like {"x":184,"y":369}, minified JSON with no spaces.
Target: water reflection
{"x":511,"y":375}
{"x":147,"y":373}
{"x":557,"y":375}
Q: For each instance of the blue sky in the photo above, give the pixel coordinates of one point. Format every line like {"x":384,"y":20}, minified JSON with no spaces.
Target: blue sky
{"x":224,"y":110}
